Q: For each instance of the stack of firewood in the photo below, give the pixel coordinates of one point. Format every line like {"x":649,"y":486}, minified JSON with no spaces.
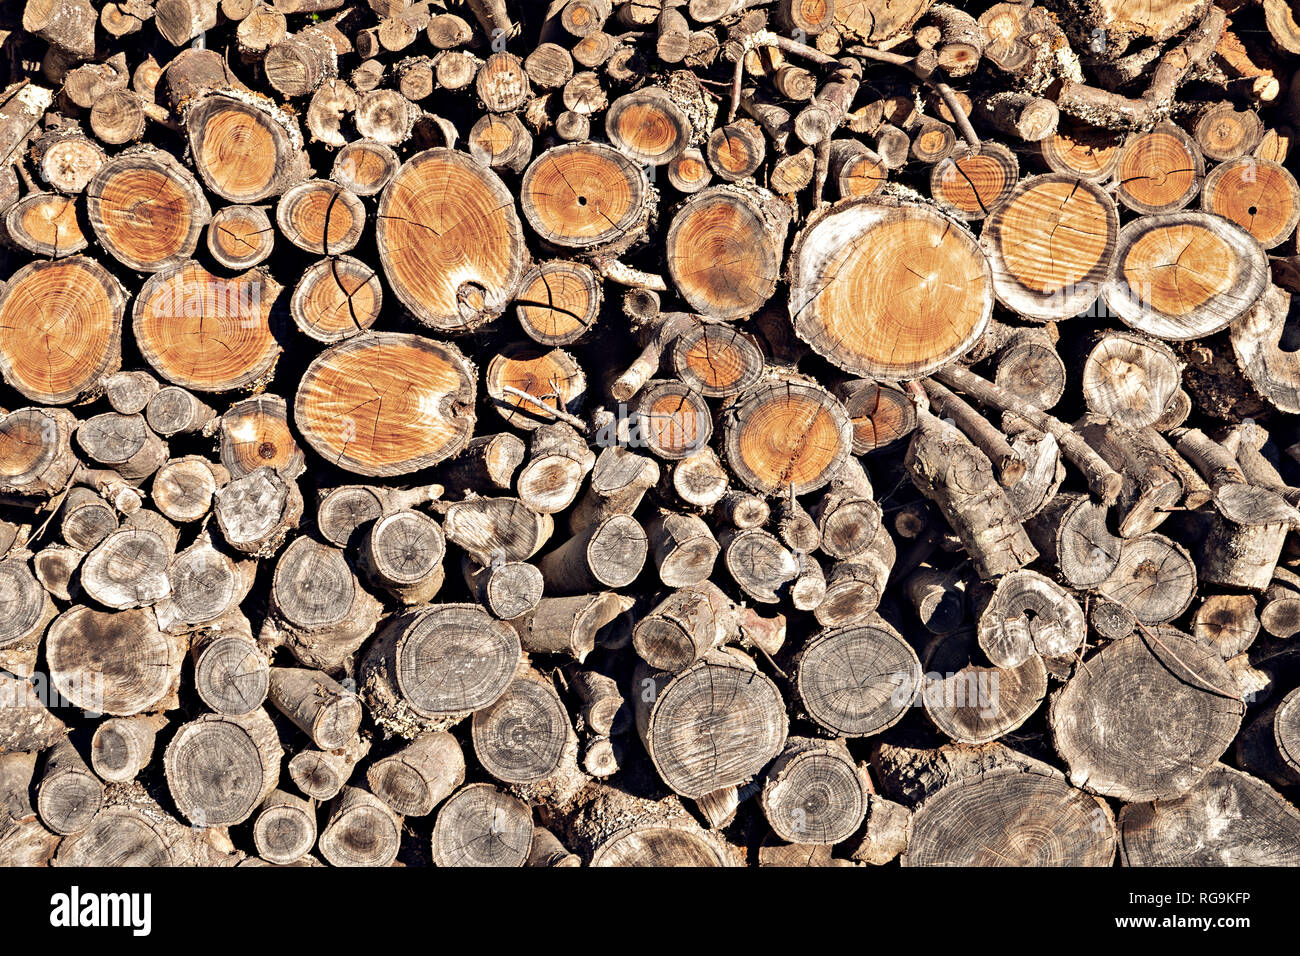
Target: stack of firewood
{"x":770,"y":432}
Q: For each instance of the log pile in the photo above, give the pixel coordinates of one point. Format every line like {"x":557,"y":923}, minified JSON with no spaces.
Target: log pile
{"x":665,"y":432}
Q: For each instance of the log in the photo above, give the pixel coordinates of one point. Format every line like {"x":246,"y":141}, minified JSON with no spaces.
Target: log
{"x":912,"y":334}
{"x":231,"y":673}
{"x":45,"y":224}
{"x":123,"y":746}
{"x":471,"y":281}
{"x":954,"y":474}
{"x":364,"y":167}
{"x":207,"y":333}
{"x":321,"y":774}
{"x":723,"y":248}
{"x":481,"y":826}
{"x":256,"y":513}
{"x":69,"y":794}
{"x":70,"y":331}
{"x":1095,"y":716}
{"x":416,"y":778}
{"x":320,"y":605}
{"x":362,"y":830}
{"x":321,"y":217}
{"x":285,"y":829}
{"x":403,"y":555}
{"x":407,"y":370}
{"x":1049,"y":245}
{"x":814,"y":793}
{"x":974,"y":821}
{"x":157,"y":231}
{"x":858,"y":680}
{"x":586,"y":197}
{"x":558,"y":302}
{"x":786,"y":436}
{"x":1260,"y":831}
{"x":1237,"y":189}
{"x":206,"y":585}
{"x":246,"y":149}
{"x":240,"y":237}
{"x":974,"y":704}
{"x":974,"y":180}
{"x":220,"y":768}
{"x":439,"y":662}
{"x":147,"y":663}
{"x":684,"y":627}
{"x":522,"y":736}
{"x":742,"y":728}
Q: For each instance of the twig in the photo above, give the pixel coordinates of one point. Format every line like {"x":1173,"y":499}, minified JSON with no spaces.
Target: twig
{"x":559,"y":413}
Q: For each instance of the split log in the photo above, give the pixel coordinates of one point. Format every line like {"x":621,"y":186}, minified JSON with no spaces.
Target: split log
{"x":256,"y":513}
{"x":26,"y":724}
